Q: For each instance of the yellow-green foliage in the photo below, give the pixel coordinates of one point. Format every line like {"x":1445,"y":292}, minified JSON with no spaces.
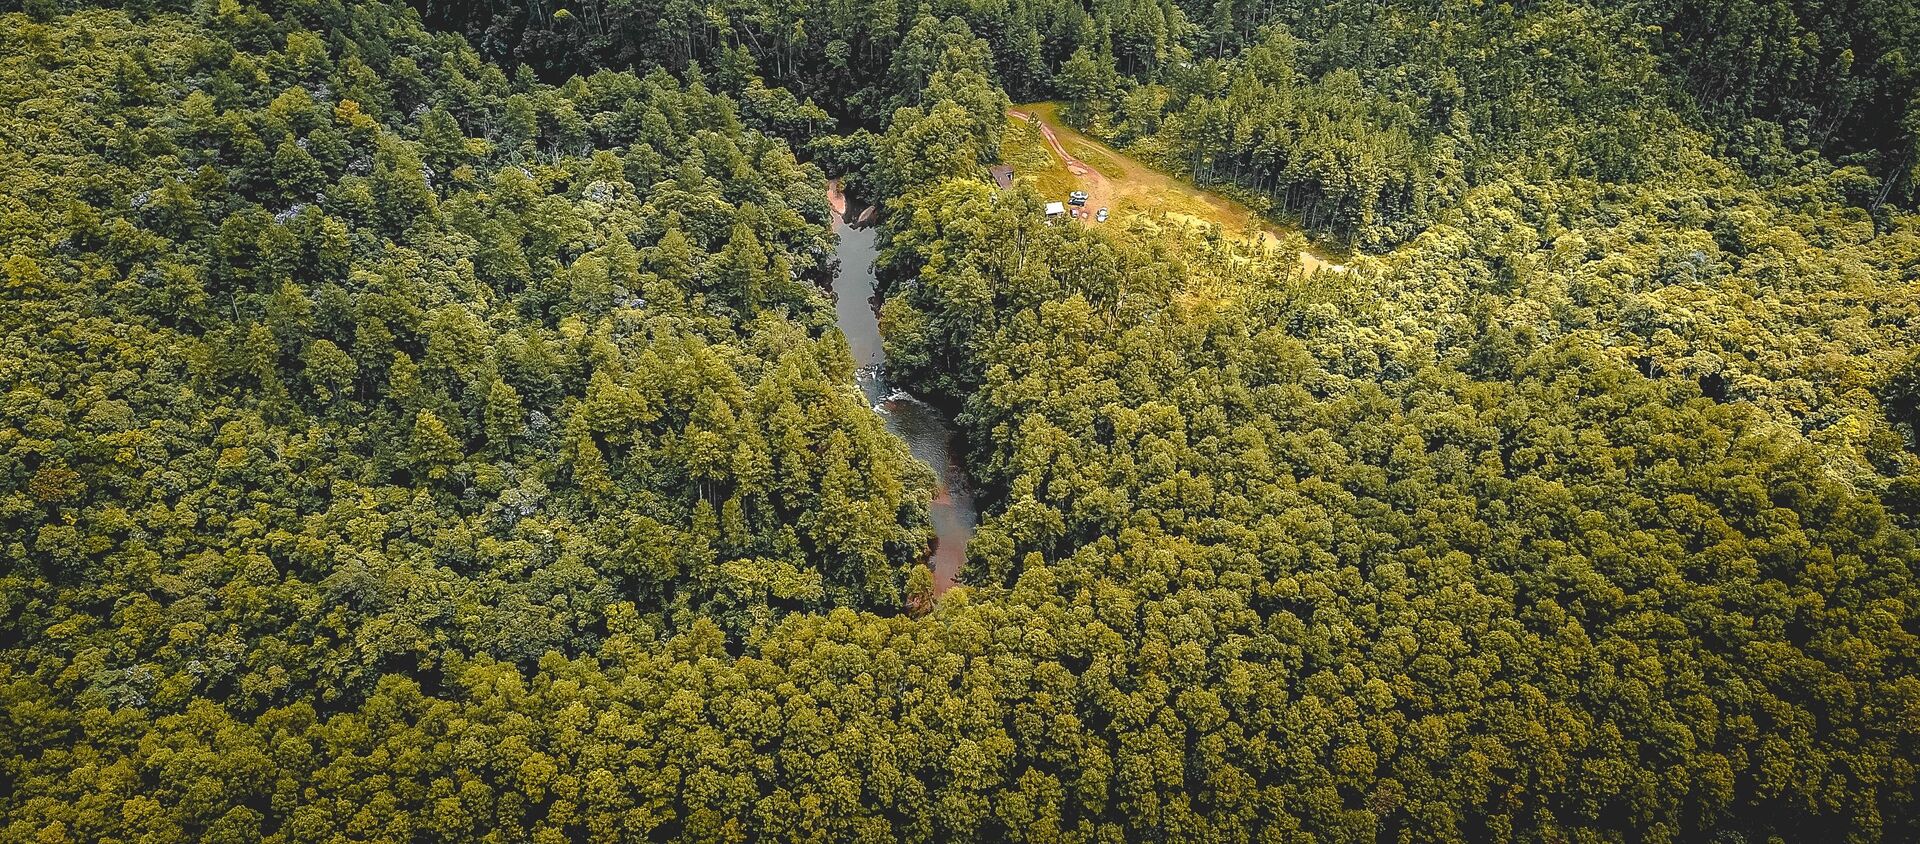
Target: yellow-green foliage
{"x":398,"y":448}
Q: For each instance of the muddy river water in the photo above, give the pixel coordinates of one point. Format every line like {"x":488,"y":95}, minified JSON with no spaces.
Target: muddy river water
{"x":925,"y":430}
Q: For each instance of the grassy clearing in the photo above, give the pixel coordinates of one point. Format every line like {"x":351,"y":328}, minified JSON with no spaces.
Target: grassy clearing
{"x":1132,"y":189}
{"x":1033,"y":163}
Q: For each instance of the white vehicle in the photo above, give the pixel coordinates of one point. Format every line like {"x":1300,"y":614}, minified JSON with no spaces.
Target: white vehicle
{"x":1078,"y":197}
{"x":1100,"y":217}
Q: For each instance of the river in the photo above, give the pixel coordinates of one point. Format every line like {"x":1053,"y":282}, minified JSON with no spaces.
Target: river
{"x":926,"y":432}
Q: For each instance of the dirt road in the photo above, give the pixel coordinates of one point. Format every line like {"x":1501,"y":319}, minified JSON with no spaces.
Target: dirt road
{"x":1099,"y":191}
{"x":1129,"y":187}
{"x":1074,"y":165}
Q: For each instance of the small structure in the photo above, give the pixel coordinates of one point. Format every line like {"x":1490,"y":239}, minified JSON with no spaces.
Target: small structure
{"x":1002,"y":175}
{"x":1055,"y":209}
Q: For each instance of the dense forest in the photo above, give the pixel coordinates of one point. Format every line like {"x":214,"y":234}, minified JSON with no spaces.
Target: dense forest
{"x":426,"y":423}
{"x":1358,"y":117}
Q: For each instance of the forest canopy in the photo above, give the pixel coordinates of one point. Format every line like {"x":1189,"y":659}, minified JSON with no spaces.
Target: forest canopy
{"x":429,"y":424}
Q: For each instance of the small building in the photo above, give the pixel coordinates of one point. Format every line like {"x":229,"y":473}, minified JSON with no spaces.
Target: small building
{"x":1002,"y":175}
{"x":1055,"y":209}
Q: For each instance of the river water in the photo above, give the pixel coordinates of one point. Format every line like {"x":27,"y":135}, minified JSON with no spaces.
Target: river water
{"x":927,"y":433}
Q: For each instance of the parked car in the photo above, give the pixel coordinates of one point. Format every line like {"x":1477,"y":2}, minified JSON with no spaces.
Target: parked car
{"x":1078,"y":197}
{"x":1101,"y":216}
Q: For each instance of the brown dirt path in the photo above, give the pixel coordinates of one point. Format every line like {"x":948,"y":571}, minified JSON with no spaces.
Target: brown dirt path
{"x":1099,"y":190}
{"x":1132,"y":187}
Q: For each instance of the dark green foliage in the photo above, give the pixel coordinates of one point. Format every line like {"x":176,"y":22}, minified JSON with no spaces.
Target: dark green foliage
{"x":397,"y":447}
{"x":400,"y":390}
{"x":1839,"y":77}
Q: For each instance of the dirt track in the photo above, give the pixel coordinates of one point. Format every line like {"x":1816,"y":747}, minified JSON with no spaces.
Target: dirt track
{"x":1099,"y":192}
{"x":1135,"y":188}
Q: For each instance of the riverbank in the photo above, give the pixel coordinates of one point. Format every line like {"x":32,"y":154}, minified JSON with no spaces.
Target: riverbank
{"x":837,"y":200}
{"x":927,"y":433}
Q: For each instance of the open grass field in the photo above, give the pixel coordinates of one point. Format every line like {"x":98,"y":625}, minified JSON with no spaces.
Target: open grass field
{"x":1129,"y":188}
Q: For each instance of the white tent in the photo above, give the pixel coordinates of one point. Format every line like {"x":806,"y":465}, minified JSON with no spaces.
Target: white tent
{"x":1055,"y":209}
